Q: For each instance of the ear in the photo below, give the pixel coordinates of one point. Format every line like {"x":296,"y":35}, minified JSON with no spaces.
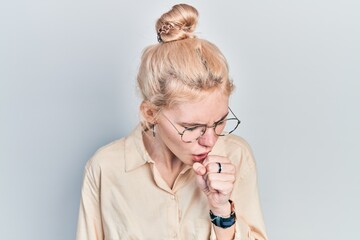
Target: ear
{"x":148,"y":112}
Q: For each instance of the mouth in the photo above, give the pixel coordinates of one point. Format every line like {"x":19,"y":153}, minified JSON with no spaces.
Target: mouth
{"x":199,"y":157}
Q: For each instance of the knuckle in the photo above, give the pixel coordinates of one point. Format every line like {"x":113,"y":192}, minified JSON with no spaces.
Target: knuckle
{"x":211,"y":177}
{"x":213,"y":185}
{"x":232,"y":169}
{"x":229,"y":188}
{"x":213,"y":167}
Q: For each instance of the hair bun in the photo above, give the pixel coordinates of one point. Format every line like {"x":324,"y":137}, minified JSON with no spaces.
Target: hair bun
{"x":176,"y":24}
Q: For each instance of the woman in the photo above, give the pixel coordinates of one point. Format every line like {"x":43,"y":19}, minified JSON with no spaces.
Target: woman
{"x":179,"y":174}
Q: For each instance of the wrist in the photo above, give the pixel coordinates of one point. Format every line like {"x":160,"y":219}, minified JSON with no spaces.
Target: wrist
{"x":224,"y":221}
{"x":223,"y":210}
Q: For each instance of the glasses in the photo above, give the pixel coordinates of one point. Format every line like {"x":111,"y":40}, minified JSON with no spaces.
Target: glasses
{"x":221,"y":128}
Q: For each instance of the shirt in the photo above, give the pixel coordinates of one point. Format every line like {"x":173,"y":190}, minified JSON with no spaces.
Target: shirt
{"x":125,"y":197}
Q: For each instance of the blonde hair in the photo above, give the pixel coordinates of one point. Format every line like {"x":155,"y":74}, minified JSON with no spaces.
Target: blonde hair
{"x":181,"y":67}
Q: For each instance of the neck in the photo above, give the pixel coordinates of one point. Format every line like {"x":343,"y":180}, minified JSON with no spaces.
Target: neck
{"x":166,"y":162}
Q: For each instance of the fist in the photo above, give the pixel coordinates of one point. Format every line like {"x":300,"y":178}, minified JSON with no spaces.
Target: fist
{"x":216,"y":177}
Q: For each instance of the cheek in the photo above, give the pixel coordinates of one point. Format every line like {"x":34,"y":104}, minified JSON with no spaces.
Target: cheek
{"x":169,"y":136}
{"x":173,"y":140}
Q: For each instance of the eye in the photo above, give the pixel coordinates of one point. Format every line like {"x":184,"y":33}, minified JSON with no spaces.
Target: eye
{"x":193,"y":128}
{"x":222,"y":122}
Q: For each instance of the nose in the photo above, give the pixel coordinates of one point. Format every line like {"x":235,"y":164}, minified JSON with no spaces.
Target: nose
{"x":209,"y":138}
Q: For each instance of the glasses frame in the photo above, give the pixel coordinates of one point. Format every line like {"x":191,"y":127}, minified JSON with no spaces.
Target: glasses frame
{"x":206,"y":127}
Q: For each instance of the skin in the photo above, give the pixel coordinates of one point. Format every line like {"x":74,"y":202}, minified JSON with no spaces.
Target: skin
{"x":170,"y":153}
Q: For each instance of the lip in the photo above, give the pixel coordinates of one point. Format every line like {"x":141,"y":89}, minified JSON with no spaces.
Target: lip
{"x":199,"y":157}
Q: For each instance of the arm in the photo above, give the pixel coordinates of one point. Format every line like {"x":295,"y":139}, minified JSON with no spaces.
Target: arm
{"x":216,"y":177}
{"x":250,"y":223}
{"x":220,"y":187}
{"x":89,"y":222}
{"x":246,"y":197}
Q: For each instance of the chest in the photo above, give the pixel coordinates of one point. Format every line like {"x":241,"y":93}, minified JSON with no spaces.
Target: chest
{"x":140,"y":208}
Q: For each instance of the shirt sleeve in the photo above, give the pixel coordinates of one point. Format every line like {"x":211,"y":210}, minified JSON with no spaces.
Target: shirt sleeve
{"x":249,"y":223}
{"x":89,"y":221}
{"x":247,"y":203}
{"x":242,"y":232}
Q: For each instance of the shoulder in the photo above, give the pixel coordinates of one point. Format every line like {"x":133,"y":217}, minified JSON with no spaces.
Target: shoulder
{"x":113,"y":156}
{"x":106,"y":156}
{"x":233,"y":141}
{"x":238,"y":150}
{"x":232,"y":144}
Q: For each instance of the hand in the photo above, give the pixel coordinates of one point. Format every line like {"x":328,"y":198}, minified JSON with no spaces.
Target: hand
{"x":216,"y":186}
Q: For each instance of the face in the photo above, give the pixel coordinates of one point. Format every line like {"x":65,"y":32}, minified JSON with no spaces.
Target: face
{"x":204,"y":112}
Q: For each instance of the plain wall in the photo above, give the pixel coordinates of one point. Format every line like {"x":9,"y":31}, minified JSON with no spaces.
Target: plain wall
{"x":67,"y":87}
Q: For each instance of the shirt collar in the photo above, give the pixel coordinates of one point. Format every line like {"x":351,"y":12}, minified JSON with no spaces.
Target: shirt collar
{"x":135,"y":152}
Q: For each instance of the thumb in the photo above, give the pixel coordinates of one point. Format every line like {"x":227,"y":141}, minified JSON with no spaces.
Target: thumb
{"x":200,"y":172}
{"x":199,"y":169}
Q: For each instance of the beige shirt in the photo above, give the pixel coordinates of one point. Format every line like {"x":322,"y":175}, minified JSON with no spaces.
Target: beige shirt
{"x":124,"y":196}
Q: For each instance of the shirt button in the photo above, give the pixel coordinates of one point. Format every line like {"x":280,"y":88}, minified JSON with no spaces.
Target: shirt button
{"x":172,"y":197}
{"x":174,"y":235}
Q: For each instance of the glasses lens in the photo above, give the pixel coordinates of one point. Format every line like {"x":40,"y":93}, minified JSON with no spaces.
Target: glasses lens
{"x":222,"y":128}
{"x":191,"y":134}
{"x":227,"y":126}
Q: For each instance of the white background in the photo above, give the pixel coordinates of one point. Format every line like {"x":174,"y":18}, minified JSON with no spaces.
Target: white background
{"x":67,"y":87}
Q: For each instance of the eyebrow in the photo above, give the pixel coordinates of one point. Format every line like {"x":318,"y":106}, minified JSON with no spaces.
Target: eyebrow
{"x":202,"y":124}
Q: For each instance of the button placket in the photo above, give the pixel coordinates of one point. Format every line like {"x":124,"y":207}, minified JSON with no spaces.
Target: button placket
{"x":174,"y":223}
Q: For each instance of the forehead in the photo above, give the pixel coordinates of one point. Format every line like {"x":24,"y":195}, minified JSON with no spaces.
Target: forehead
{"x":209,"y":109}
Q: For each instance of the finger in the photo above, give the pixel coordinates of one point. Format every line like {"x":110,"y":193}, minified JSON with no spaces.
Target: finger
{"x":201,"y":178}
{"x":217,"y":167}
{"x":201,"y":182}
{"x":220,"y":182}
{"x":215,"y":177}
{"x":199,"y":169}
{"x":224,"y":188}
{"x":215,"y":158}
